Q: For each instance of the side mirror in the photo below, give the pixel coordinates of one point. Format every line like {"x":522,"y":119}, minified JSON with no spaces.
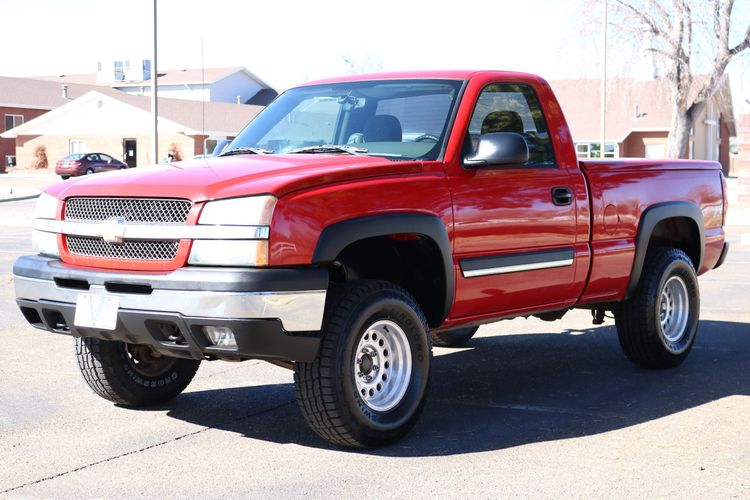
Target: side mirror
{"x":499,"y":148}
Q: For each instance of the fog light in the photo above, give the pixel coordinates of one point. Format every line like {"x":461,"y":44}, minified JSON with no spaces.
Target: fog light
{"x":220,"y":336}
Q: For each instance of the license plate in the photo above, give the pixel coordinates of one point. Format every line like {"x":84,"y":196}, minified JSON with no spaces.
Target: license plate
{"x":96,"y":311}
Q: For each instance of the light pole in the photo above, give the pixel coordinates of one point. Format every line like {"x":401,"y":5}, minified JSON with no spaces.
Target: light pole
{"x":604,"y":82}
{"x":154,"y":98}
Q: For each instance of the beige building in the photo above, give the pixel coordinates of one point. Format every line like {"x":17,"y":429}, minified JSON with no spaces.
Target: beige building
{"x":120,"y":125}
{"x":638,"y":116}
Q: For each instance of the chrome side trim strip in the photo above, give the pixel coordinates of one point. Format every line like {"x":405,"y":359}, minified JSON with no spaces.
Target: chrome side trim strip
{"x":298,"y":311}
{"x":517,"y":268}
{"x":152,"y":231}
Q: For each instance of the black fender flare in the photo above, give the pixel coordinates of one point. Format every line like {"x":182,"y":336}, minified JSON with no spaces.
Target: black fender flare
{"x":338,"y":236}
{"x":652,"y":216}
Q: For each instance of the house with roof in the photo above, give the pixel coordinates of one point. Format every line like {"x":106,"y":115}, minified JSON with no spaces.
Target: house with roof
{"x":234,"y":84}
{"x":23,"y":99}
{"x":120,"y":124}
{"x":638,"y":116}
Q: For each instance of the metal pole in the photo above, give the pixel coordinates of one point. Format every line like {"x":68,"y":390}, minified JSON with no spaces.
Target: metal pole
{"x":154,"y":99}
{"x":604,"y":82}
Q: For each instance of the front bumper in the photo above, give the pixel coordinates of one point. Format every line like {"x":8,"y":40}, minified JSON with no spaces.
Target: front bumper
{"x":274,"y":313}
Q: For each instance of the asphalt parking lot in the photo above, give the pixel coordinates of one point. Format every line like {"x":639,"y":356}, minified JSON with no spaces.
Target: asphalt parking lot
{"x":527,"y":409}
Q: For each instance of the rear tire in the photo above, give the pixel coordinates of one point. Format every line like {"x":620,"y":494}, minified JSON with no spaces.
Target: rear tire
{"x":132,"y":374}
{"x":65,"y":177}
{"x":367,"y":386}
{"x":453,"y":338}
{"x":89,"y":171}
{"x":657,"y":326}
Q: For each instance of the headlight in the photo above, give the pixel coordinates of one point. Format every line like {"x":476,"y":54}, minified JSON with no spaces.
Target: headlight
{"x":44,"y":242}
{"x":46,"y":207}
{"x":250,"y":211}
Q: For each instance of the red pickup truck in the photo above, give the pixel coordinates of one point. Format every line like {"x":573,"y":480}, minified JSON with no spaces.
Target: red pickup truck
{"x":355,"y":223}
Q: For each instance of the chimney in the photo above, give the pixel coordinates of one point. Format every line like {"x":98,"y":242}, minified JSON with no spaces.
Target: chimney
{"x":65,"y":91}
{"x":239,"y":99}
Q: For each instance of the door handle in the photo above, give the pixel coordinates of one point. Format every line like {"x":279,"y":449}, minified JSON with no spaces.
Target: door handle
{"x":562,"y":196}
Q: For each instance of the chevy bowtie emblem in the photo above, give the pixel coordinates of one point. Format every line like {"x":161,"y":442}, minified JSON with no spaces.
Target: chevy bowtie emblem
{"x":113,"y":231}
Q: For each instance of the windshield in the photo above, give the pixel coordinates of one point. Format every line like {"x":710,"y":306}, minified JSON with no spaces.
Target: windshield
{"x":391,"y":118}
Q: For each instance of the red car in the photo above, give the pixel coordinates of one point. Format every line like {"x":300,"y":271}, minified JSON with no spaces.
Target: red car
{"x":355,"y":223}
{"x":86,"y":164}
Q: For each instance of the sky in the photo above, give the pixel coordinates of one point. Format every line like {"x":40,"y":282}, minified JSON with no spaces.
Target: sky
{"x":288,"y":42}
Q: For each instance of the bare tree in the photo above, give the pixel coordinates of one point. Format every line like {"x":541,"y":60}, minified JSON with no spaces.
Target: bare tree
{"x":670,"y":24}
{"x":362,"y":63}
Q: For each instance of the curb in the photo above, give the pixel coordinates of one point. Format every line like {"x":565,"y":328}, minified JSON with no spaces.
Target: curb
{"x":20,"y":198}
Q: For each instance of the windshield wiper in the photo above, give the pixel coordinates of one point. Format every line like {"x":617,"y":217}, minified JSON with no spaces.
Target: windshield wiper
{"x":246,"y":151}
{"x":330,"y":148}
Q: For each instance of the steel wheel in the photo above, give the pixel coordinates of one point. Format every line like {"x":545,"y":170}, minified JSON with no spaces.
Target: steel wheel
{"x":674,"y":309}
{"x":147,"y":362}
{"x":132,"y":375}
{"x":658,"y":324}
{"x":368,"y":383}
{"x":382,"y":365}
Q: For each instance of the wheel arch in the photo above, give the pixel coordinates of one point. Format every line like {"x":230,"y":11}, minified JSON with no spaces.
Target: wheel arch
{"x":654,"y":217}
{"x":337,"y":237}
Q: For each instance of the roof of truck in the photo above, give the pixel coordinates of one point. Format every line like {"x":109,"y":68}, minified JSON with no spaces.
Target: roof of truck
{"x":452,"y":74}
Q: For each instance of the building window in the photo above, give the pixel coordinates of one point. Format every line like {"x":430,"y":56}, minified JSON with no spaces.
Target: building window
{"x":593,"y":150}
{"x":12,"y":121}
{"x":209,"y":145}
{"x":77,"y":146}
{"x":656,"y":150}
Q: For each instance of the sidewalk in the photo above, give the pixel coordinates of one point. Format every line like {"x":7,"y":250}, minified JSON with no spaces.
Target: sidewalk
{"x":25,"y":184}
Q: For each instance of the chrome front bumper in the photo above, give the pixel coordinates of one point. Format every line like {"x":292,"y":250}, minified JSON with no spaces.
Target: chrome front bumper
{"x":296,"y":297}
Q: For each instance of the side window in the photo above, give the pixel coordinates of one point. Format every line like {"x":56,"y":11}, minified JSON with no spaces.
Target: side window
{"x":106,"y":158}
{"x":509,"y":107}
{"x":93,"y":157}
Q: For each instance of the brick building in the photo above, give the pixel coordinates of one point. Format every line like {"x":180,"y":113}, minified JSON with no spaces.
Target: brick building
{"x":24,"y":99}
{"x":638,"y":119}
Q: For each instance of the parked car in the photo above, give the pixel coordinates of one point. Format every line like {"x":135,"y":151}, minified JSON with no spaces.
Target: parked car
{"x":392,"y":213}
{"x":86,"y":164}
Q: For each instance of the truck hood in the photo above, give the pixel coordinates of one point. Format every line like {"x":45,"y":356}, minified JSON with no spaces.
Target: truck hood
{"x":227,"y":177}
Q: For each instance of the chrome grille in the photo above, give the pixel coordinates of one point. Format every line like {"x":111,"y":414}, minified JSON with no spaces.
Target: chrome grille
{"x":128,"y":250}
{"x":133,"y":210}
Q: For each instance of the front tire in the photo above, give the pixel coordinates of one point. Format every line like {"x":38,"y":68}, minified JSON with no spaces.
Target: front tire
{"x":367,"y":386}
{"x":132,"y":374}
{"x":657,"y":326}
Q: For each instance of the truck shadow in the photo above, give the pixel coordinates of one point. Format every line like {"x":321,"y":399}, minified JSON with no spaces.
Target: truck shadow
{"x":511,"y":390}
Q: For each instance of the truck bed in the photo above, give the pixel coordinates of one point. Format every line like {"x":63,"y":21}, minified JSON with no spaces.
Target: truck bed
{"x":622,"y":190}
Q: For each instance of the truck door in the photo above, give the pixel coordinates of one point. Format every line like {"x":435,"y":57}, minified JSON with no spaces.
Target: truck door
{"x":515,"y":225}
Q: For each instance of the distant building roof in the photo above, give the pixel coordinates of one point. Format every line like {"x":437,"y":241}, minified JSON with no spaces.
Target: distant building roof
{"x":198,"y":115}
{"x":263,"y":97}
{"x":632,"y":106}
{"x":40,"y":94}
{"x":166,"y":77}
{"x":186,"y":116}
